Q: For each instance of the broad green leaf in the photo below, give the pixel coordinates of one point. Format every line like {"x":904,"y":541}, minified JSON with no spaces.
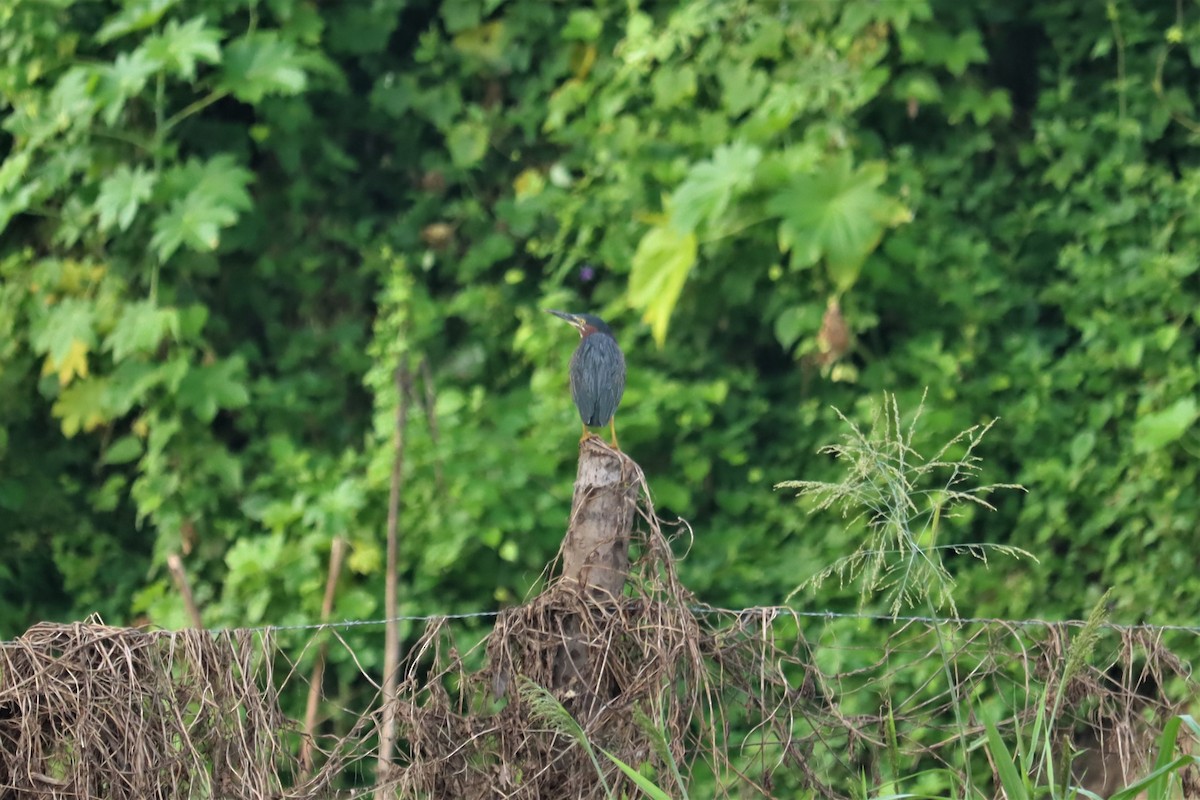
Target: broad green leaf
{"x":72,"y":364}
{"x":529,"y":183}
{"x":72,"y":103}
{"x":838,"y":214}
{"x":392,"y":95}
{"x":1082,"y":445}
{"x":981,"y":106}
{"x":133,"y":379}
{"x":637,"y":48}
{"x":191,"y":320}
{"x":82,"y":406}
{"x":459,"y":15}
{"x":123,"y":450}
{"x":13,"y":496}
{"x":674,"y":86}
{"x":208,"y":388}
{"x":742,"y":86}
{"x":486,"y":42}
{"x":366,"y":557}
{"x":467,"y":142}
{"x":192,"y":221}
{"x":583,"y":24}
{"x":215,"y":194}
{"x":262,"y":63}
{"x":934,"y":46}
{"x":281,"y":514}
{"x":180,"y":46}
{"x":13,"y":171}
{"x":661,"y":265}
{"x":141,"y":326}
{"x":356,"y":29}
{"x":135,"y":16}
{"x":121,"y":193}
{"x":920,"y":86}
{"x":776,"y":112}
{"x":221,"y":178}
{"x":1157,"y":430}
{"x":126,"y":77}
{"x":792,"y":323}
{"x":710,"y":185}
{"x":68,"y":321}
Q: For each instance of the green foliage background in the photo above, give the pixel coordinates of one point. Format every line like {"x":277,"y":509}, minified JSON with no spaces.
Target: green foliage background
{"x":225,"y":223}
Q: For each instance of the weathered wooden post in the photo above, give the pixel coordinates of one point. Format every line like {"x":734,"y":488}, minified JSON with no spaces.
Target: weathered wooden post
{"x":595,"y":551}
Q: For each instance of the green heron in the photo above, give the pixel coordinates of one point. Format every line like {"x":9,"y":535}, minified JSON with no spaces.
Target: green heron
{"x":597,"y":372}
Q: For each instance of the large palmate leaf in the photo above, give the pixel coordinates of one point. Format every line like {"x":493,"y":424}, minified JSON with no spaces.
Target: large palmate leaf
{"x":837,"y":214}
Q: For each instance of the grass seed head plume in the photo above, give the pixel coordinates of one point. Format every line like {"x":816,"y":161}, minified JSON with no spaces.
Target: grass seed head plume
{"x":902,"y":498}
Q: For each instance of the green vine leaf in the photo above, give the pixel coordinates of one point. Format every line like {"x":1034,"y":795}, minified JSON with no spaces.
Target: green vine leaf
{"x":261,"y":63}
{"x":705,"y":194}
{"x":141,"y":327}
{"x":135,"y":16}
{"x":121,"y":194}
{"x":68,"y":321}
{"x":217,"y":194}
{"x":1159,"y":429}
{"x":208,"y":388}
{"x":123,"y":451}
{"x":82,"y":406}
{"x":181,"y":46}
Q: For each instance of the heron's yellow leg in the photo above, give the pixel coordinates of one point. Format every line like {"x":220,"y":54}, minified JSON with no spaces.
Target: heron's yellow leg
{"x":585,"y":433}
{"x":612,"y":426}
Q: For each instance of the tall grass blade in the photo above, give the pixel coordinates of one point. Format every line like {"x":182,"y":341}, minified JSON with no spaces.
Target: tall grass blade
{"x":658,"y":739}
{"x":1010,"y":779}
{"x":645,"y":784}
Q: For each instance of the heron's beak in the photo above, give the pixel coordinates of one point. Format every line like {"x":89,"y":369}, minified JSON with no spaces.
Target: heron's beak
{"x":575,"y":321}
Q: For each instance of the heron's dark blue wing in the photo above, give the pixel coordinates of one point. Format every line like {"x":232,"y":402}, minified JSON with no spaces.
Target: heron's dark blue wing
{"x":579,"y":384}
{"x":609,"y":396}
{"x":597,"y":378}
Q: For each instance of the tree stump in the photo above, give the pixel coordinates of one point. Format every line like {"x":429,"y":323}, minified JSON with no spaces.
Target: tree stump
{"x":595,"y":556}
{"x":595,"y":551}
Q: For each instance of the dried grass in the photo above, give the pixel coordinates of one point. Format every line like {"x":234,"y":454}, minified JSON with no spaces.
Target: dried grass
{"x":88,"y":710}
{"x":760,"y":702}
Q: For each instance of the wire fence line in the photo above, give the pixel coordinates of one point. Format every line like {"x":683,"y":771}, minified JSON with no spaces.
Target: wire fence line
{"x":763,"y":612}
{"x":754,"y":693}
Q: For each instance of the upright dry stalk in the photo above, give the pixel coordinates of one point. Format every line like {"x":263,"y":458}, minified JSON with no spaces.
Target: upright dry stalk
{"x":336,"y":555}
{"x":175,"y":565}
{"x":391,"y":639}
{"x":431,"y":418}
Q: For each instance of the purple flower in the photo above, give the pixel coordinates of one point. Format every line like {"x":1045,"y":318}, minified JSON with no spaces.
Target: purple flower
{"x":587,"y":274}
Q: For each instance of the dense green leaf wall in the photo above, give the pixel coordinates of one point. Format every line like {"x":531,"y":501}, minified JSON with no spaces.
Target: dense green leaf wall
{"x":226,"y":223}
